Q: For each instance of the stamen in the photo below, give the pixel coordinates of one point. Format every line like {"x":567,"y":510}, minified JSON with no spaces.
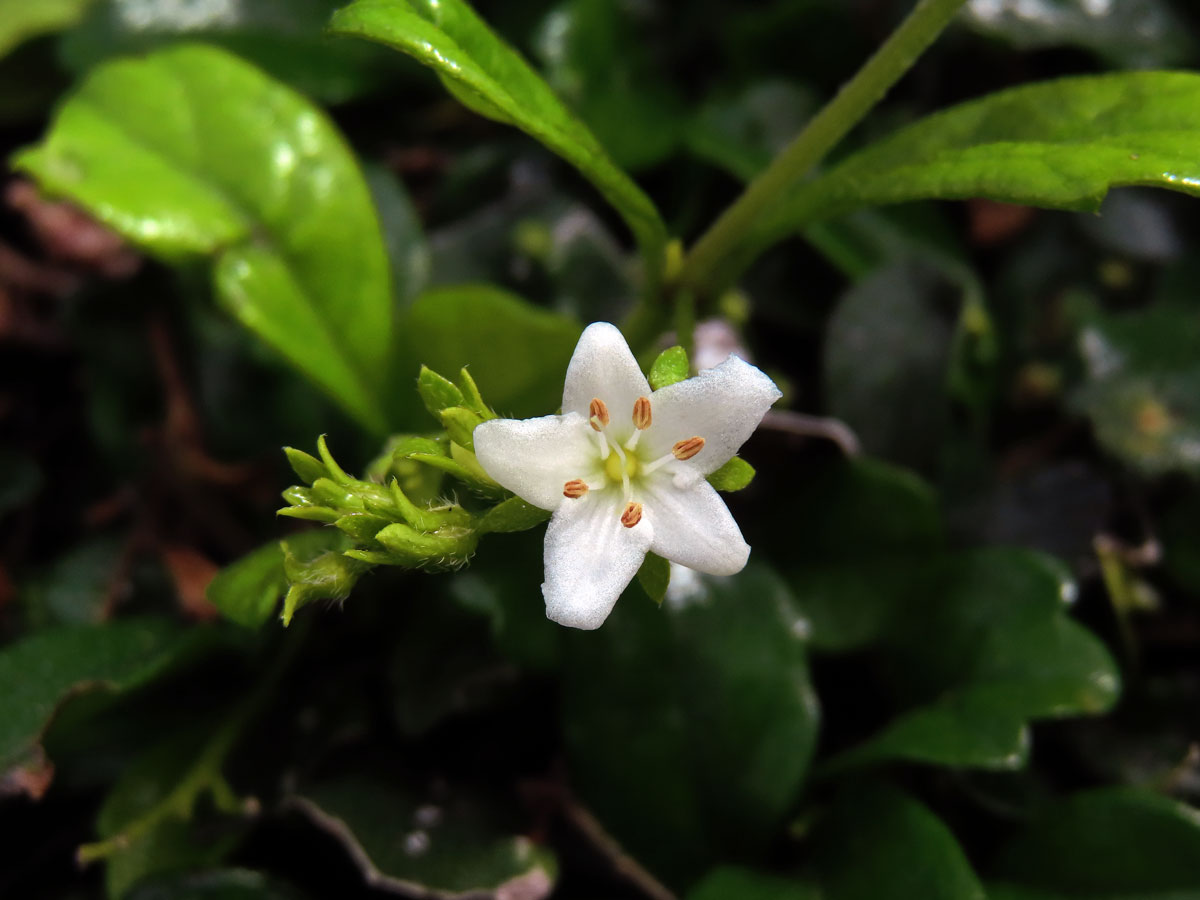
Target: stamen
{"x":603,"y":443}
{"x":575,"y":488}
{"x":641,"y":413}
{"x":632,"y":515}
{"x":597,"y":414}
{"x":688,"y":448}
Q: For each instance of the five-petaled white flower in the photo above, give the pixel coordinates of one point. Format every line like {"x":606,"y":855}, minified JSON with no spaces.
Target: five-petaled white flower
{"x":623,"y":471}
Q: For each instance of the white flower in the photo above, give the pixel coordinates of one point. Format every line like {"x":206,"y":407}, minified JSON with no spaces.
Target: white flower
{"x":623,"y":471}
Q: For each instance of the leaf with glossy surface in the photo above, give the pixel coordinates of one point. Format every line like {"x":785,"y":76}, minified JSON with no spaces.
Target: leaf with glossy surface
{"x":517,"y":352}
{"x":1059,"y":144}
{"x":690,"y":726}
{"x":1109,"y":842}
{"x":877,"y":843}
{"x":985,"y":639}
{"x":491,"y":78}
{"x":190,"y":151}
{"x":44,"y":669}
{"x":437,"y":847}
{"x":21,"y":20}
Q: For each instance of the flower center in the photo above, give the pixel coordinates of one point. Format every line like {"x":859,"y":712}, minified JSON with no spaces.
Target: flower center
{"x":615,"y":467}
{"x":620,"y":461}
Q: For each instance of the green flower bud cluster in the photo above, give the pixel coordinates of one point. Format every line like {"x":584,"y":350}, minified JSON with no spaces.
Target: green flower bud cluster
{"x":399,"y":515}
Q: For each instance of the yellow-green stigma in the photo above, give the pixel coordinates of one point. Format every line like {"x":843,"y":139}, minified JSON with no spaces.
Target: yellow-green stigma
{"x":612,"y":466}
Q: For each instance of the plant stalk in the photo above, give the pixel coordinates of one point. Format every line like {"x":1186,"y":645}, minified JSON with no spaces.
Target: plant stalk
{"x":855,"y":99}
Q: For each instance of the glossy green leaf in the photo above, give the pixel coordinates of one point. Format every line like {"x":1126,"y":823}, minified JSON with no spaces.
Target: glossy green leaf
{"x":984,"y":639}
{"x":437,"y":847}
{"x":1109,"y":842}
{"x":247,"y":591}
{"x":42,"y":670}
{"x":1059,"y":144}
{"x":1142,"y":387}
{"x":492,"y":78}
{"x":215,"y":884}
{"x":191,"y":152}
{"x":690,"y":725}
{"x":513,"y":514}
{"x":746,"y":884}
{"x":283,"y":37}
{"x":21,"y":20}
{"x":517,"y":353}
{"x":877,"y":843}
{"x":597,"y":61}
{"x":1137,"y":34}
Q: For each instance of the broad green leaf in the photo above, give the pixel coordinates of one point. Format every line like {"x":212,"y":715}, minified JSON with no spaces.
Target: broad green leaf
{"x":1142,"y":387}
{"x":1108,"y":843}
{"x":284,"y":37}
{"x":516,"y":352}
{"x":983,"y":639}
{"x":746,"y":884}
{"x":491,"y":78}
{"x":74,"y":589}
{"x":877,"y":843}
{"x":689,"y":726}
{"x":43,"y":670}
{"x":173,"y":843}
{"x":1136,"y":34}
{"x":599,"y":63}
{"x":247,"y":591}
{"x":443,"y":847}
{"x":1059,"y":144}
{"x":21,"y":20}
{"x":191,"y":152}
{"x":215,"y":884}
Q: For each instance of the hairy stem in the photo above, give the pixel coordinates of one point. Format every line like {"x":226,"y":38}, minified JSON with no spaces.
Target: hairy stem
{"x":855,"y":99}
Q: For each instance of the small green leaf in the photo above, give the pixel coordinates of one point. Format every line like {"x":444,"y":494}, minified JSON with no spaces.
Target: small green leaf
{"x":517,"y":352}
{"x":214,"y":884}
{"x":513,"y":514}
{"x":306,"y":466}
{"x":437,"y":392}
{"x":745,"y":884}
{"x":491,"y":78}
{"x":189,"y":152}
{"x":117,"y":656}
{"x":460,"y":851}
{"x":876,"y":843}
{"x":654,"y":576}
{"x":1111,"y":842}
{"x":733,"y":476}
{"x":317,"y":573}
{"x":670,"y":367}
{"x":460,"y":424}
{"x":1059,"y":144}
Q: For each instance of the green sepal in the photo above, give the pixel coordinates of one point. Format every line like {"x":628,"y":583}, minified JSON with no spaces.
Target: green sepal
{"x":460,"y":423}
{"x":671,"y":367}
{"x":327,"y":576}
{"x":448,"y":548}
{"x":299,"y":496}
{"x":513,"y":514}
{"x":310,"y":513}
{"x":362,"y":527}
{"x":336,"y":472}
{"x":437,"y":392}
{"x":654,"y":576}
{"x":733,"y":476}
{"x":338,"y":496}
{"x":305,"y":465}
{"x":472,"y":399}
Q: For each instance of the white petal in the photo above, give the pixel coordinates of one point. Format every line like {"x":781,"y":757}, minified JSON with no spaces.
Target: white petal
{"x":590,"y":558}
{"x":722,"y":405}
{"x":603,"y":367}
{"x":534,"y":458}
{"x":693,"y":527}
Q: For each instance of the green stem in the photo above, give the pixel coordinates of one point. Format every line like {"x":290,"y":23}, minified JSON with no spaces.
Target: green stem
{"x":856,"y":98}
